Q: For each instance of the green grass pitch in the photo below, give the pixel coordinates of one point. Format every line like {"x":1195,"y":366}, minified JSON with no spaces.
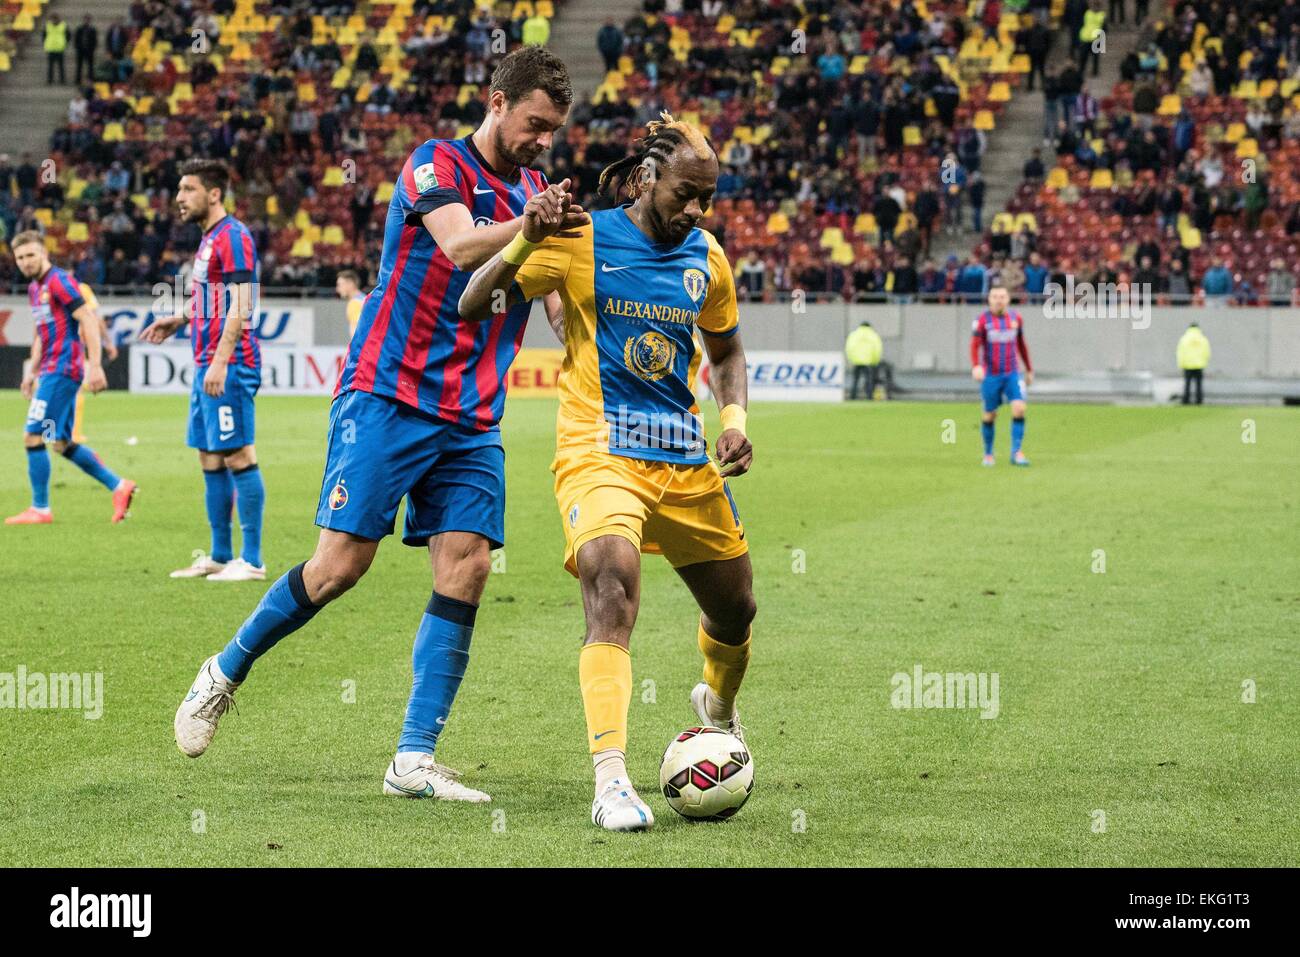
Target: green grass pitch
{"x":1122,"y":736}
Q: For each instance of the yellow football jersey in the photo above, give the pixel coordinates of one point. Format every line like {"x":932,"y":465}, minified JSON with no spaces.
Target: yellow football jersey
{"x":631,"y":308}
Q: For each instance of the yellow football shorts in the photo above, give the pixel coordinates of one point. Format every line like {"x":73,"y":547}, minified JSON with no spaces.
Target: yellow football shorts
{"x":683,"y":512}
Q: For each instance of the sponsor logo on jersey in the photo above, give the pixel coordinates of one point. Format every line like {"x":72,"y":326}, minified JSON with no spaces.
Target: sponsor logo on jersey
{"x":650,"y":355}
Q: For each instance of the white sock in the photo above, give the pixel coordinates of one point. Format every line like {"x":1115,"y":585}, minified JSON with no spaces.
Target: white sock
{"x":43,"y":511}
{"x":611,"y":766}
{"x":718,"y":709}
{"x":406,"y":761}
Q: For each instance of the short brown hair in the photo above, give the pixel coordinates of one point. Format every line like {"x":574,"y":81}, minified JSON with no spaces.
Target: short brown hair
{"x":25,"y":237}
{"x":532,"y":68}
{"x":213,"y":174}
{"x":351,"y":275}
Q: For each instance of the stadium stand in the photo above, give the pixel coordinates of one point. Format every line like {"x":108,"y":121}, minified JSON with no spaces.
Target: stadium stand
{"x":1188,"y":177}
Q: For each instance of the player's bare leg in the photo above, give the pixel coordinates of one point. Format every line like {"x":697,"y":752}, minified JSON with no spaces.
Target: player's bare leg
{"x":461,"y":562}
{"x":1017,"y":432}
{"x":724,"y":591}
{"x":338,"y":564}
{"x":609,"y":570}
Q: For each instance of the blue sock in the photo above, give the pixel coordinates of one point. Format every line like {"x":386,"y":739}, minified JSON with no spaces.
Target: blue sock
{"x":219,"y":497}
{"x":438,"y":659}
{"x":1017,"y":434}
{"x":283,"y":610}
{"x":38,"y":471}
{"x":86,"y":460}
{"x":986,"y":429}
{"x":250,"y":494}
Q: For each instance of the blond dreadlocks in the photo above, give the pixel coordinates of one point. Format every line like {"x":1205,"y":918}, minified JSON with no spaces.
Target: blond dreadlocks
{"x":662,"y":137}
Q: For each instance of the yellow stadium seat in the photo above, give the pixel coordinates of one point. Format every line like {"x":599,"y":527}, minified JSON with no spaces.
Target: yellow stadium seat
{"x":113,"y":132}
{"x":333,"y":235}
{"x":306,"y":93}
{"x":1247,"y":148}
{"x":1003,"y":222}
{"x":1190,"y":238}
{"x":102,"y":91}
{"x":272,"y":205}
{"x":4,"y":62}
{"x":1234,"y":133}
{"x":911,"y":136}
{"x":1101,"y":179}
{"x":864,"y":225}
{"x":1000,"y":92}
{"x":45,"y":216}
{"x":778,"y":223}
{"x":842,"y":255}
{"x":1246,"y":90}
{"x":333,"y":177}
{"x":983,"y":120}
{"x":77,"y":232}
{"x":302,"y":221}
{"x":385,"y":191}
{"x":1266,"y":88}
{"x":931,"y":111}
{"x":1020,"y":63}
{"x":1026,"y":221}
{"x":1171,"y":104}
{"x":1057,"y":178}
{"x":859,"y":65}
{"x":832,"y":236}
{"x":302,"y":248}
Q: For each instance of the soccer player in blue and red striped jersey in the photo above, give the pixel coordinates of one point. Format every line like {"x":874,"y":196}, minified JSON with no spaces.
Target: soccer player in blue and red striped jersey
{"x":59,"y":365}
{"x":219,"y":307}
{"x":997,"y":336}
{"x":415,"y":416}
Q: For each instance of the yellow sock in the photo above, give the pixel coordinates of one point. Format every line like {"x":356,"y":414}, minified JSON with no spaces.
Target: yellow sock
{"x":77,"y":434}
{"x":605,"y":674}
{"x":724,"y":667}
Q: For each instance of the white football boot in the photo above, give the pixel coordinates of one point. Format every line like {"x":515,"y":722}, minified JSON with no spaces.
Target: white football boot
{"x":197,"y":717}
{"x":699,"y":701}
{"x":238,"y":570}
{"x":620,"y":808}
{"x":427,"y":778}
{"x":202,"y":567}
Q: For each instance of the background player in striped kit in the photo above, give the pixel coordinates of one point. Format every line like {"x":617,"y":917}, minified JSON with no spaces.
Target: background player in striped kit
{"x":227,"y":372}
{"x":997,"y":335}
{"x":416,"y":415}
{"x":58,"y":367}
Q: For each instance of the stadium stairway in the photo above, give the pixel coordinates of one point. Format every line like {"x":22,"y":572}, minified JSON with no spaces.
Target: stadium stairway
{"x":29,"y":109}
{"x":1020,"y":129}
{"x":573,"y":39}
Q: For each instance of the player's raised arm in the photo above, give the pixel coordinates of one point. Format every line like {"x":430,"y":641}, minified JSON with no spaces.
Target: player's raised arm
{"x":492,"y":288}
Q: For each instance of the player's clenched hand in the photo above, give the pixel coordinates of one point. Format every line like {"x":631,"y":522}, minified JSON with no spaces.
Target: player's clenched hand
{"x":977,"y":373}
{"x":95,"y":380}
{"x":160,"y":329}
{"x":551,"y":211}
{"x":735,"y":454}
{"x":214,"y":380}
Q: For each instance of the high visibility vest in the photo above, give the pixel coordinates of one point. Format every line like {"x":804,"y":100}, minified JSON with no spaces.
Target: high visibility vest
{"x":1093,"y":21}
{"x":56,"y":37}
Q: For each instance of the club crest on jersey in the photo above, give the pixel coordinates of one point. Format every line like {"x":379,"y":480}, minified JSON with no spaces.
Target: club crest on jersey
{"x":650,"y":355}
{"x":694,"y":281}
{"x":338,"y":497}
{"x":573,"y":517}
{"x":425,"y":178}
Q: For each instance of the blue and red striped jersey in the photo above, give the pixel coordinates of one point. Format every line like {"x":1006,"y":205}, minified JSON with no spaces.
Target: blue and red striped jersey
{"x":226,"y":256}
{"x":999,"y":337}
{"x":411,"y":344}
{"x":54,"y":298}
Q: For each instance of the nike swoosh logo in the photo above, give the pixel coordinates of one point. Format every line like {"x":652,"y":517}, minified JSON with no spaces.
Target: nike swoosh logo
{"x":597,"y":737}
{"x":606,"y":267}
{"x":482,"y":192}
{"x":440,"y":720}
{"x":226,"y":435}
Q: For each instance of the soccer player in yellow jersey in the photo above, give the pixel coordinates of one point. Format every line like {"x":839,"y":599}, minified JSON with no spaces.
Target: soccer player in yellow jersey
{"x":347,"y":286}
{"x":110,"y":353}
{"x":632,"y":471}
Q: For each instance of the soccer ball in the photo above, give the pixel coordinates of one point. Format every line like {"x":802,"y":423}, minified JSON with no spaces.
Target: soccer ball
{"x":706,"y":774}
